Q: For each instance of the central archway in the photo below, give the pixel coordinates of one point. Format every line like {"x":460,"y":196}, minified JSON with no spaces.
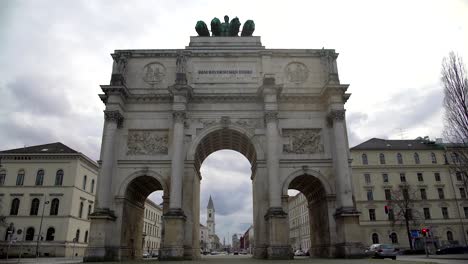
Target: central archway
{"x":237,"y":139}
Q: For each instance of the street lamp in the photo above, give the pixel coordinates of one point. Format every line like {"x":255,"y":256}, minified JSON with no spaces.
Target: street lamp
{"x":40,"y":229}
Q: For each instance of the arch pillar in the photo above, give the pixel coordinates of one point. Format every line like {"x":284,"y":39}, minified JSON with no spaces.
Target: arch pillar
{"x":175,"y":228}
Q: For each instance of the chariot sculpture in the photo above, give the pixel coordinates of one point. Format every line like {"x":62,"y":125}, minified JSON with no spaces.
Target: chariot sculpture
{"x":225,"y":29}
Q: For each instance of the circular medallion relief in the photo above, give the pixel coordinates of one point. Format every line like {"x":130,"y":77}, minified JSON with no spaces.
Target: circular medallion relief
{"x":296,"y":72}
{"x":154,"y":73}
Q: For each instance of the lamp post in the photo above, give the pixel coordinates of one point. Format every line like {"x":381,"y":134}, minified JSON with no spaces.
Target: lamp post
{"x":40,"y":229}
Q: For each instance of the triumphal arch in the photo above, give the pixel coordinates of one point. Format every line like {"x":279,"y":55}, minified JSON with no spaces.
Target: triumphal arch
{"x":167,"y":110}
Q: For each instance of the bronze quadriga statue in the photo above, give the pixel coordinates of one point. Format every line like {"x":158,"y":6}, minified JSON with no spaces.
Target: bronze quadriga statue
{"x":225,"y":29}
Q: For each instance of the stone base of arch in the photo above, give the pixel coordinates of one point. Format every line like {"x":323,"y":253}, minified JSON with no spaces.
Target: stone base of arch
{"x":278,"y":229}
{"x":349,"y":234}
{"x":173,"y":244}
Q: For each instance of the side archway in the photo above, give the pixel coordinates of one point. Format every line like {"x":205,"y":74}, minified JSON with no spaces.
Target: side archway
{"x":130,"y":201}
{"x":318,"y":194}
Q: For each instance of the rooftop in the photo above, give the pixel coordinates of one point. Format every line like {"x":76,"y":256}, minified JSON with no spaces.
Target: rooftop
{"x":51,"y":148}
{"x":398,"y":144}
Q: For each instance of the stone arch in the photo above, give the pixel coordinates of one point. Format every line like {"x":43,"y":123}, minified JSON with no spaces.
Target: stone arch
{"x":143,"y":172}
{"x":329,"y":188}
{"x":318,"y":193}
{"x":191,"y":153}
{"x":130,"y":203}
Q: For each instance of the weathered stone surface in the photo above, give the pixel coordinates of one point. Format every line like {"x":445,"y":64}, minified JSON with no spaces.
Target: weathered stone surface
{"x":280,"y":108}
{"x":147,"y":142}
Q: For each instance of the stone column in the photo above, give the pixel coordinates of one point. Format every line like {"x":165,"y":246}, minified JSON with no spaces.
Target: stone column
{"x":177,"y":165}
{"x":348,"y":231}
{"x":103,"y":245}
{"x":336,"y":119}
{"x":113,"y":121}
{"x":277,"y":221}
{"x":174,"y":219}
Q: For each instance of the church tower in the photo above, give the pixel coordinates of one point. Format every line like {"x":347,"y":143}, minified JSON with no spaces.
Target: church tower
{"x":210,"y":220}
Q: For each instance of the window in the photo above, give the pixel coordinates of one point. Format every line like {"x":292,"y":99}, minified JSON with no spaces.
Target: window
{"x":80,"y":213}
{"x":372,"y":214}
{"x":427,"y":213}
{"x":50,"y":234}
{"x":59,"y":178}
{"x":364,"y":159}
{"x":391,"y":215}
{"x":388,"y":194}
{"x":455,"y":158}
{"x":29,"y":234}
{"x":416,"y":158}
{"x":437,"y":176}
{"x":449,"y":236}
{"x":34,"y":207}
{"x":89,"y":210}
{"x":382,"y":158}
{"x":370,"y":195}
{"x":465,"y":209}
{"x":92,"y":186}
{"x":440,"y":191}
{"x":420,"y":177}
{"x":14,"y":206}
{"x":423,"y":194}
{"x":462,"y":193}
{"x":405,"y":193}
{"x":445,"y":212}
{"x":399,"y":158}
{"x":2,"y":177}
{"x":433,"y":158}
{"x":20,"y":178}
{"x":402,"y":177}
{"x":458,"y":175}
{"x":394,"y":238}
{"x":385,"y":177}
{"x":84,"y":182}
{"x":409,"y":214}
{"x":77,"y":235}
{"x":375,"y":238}
{"x":86,"y":236}
{"x":54,"y":206}
{"x":367,"y":178}
{"x":40,"y":177}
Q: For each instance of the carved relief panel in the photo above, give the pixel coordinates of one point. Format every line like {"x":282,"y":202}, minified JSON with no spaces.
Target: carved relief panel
{"x":147,"y":142}
{"x":302,"y":141}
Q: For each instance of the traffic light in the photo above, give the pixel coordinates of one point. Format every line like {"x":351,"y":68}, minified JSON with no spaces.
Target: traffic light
{"x":425,"y":232}
{"x":386,"y":209}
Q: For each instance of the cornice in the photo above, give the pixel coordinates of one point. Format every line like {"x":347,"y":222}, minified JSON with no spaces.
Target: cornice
{"x":37,"y":156}
{"x":115,"y":90}
{"x":222,"y":51}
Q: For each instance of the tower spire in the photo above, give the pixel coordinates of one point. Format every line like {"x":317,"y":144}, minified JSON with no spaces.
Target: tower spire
{"x":210,"y":204}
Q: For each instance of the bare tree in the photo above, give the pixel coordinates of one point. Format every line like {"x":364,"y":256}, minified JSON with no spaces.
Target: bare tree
{"x":402,"y":211}
{"x":455,"y":82}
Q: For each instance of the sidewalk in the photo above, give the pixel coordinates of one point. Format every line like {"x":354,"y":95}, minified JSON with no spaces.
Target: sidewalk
{"x":450,"y":256}
{"x":43,"y":260}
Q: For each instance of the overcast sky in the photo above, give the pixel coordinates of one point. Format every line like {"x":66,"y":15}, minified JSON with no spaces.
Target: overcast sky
{"x":55,"y":54}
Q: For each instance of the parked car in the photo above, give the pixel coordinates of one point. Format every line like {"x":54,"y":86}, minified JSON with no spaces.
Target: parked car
{"x":382,"y":251}
{"x":146,"y":255}
{"x":299,"y":253}
{"x":452,"y":250}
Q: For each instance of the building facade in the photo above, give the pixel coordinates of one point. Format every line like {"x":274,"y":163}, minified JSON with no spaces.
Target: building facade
{"x":389,"y":173}
{"x":152,"y":223}
{"x":204,"y":238}
{"x":299,"y":227}
{"x":52,"y":184}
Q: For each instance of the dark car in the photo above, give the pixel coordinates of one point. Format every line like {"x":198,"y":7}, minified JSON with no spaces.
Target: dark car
{"x":382,"y":251}
{"x":452,"y":250}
